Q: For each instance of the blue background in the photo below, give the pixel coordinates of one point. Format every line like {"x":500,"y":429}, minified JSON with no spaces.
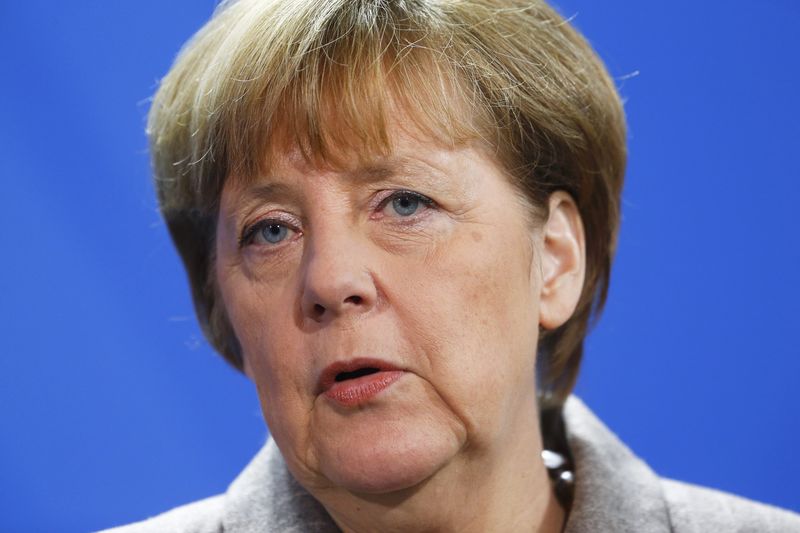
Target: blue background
{"x":112,"y":407}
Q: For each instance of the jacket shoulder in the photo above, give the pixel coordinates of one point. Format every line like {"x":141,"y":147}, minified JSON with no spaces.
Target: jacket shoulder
{"x":698,"y":509}
{"x":202,"y":516}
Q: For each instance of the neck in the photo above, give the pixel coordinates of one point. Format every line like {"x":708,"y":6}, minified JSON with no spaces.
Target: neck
{"x":500,"y":487}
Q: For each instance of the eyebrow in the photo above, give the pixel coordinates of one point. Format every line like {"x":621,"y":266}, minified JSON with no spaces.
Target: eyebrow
{"x":278,"y":190}
{"x":274,"y":190}
{"x":401,"y":166}
{"x":373,"y":172}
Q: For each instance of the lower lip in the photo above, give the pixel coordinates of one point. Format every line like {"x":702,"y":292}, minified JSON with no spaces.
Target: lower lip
{"x":359,"y":391}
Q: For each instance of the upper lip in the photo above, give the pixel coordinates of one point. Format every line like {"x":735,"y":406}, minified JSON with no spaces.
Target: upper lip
{"x":328,"y":376}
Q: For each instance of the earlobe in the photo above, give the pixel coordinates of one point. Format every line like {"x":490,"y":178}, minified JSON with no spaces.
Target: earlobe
{"x":563,"y":261}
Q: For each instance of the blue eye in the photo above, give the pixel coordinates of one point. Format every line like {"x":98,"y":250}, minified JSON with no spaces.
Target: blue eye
{"x":405,"y":205}
{"x":266,"y":233}
{"x":273,"y":233}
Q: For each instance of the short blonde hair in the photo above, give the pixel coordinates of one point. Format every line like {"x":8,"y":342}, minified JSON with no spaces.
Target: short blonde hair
{"x":510,"y":72}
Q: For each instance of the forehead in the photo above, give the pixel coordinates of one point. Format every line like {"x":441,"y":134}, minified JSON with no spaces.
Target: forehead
{"x":406,"y":146}
{"x":410,"y":162}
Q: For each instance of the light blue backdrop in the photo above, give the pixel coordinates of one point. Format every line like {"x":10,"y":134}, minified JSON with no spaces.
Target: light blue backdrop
{"x":112,"y":408}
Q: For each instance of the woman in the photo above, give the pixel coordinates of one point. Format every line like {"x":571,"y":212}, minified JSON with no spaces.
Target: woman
{"x":397,"y":219}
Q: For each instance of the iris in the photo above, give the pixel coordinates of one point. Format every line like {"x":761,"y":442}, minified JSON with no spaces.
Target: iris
{"x":405,"y":205}
{"x":274,"y":233}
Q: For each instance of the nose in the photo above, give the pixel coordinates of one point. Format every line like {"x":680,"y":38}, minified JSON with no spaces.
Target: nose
{"x":337,"y":278}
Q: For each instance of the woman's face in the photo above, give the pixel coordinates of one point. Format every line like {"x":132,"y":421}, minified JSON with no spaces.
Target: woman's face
{"x":388,"y":313}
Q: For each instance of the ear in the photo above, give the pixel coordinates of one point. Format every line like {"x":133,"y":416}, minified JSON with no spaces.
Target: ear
{"x":563,"y":261}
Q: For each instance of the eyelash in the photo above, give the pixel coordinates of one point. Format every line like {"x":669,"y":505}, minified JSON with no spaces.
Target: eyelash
{"x":421,"y":198}
{"x":249,"y":232}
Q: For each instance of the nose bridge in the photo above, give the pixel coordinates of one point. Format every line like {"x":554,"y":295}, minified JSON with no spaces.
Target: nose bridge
{"x":337,"y":278}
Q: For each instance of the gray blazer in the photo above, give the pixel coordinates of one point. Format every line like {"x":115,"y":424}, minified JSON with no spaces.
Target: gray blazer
{"x":615,"y":492}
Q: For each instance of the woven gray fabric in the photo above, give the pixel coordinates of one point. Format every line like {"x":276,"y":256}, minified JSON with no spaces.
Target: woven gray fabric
{"x":615,"y":492}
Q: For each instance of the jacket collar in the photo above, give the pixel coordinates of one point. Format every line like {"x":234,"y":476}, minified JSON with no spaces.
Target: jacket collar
{"x":265,"y":497}
{"x":614,"y":489}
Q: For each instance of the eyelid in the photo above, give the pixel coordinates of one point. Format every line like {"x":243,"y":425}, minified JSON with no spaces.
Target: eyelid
{"x":425,"y":200}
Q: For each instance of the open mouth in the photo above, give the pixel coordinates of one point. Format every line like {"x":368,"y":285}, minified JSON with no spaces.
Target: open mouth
{"x":366,"y":371}
{"x":357,"y":381}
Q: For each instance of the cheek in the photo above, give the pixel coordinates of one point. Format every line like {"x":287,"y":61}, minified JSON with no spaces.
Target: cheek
{"x":263,"y":322}
{"x":472,"y":307}
{"x":495,"y":311}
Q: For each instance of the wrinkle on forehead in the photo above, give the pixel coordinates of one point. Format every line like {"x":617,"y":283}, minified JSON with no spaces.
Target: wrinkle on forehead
{"x":422,"y":163}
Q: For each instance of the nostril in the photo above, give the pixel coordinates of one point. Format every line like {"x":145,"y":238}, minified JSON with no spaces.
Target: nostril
{"x":354,"y":300}
{"x":319,"y":310}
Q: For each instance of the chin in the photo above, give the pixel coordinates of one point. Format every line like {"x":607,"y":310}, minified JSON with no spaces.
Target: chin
{"x":385,"y":460}
{"x":392,"y":444}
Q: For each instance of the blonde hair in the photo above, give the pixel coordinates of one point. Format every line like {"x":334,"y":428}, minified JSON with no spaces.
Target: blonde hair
{"x":512,"y":73}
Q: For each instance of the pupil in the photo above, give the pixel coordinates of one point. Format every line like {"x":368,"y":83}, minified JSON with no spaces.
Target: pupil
{"x":405,"y":205}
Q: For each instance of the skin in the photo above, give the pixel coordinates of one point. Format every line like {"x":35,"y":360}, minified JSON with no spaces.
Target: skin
{"x":453,"y":293}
